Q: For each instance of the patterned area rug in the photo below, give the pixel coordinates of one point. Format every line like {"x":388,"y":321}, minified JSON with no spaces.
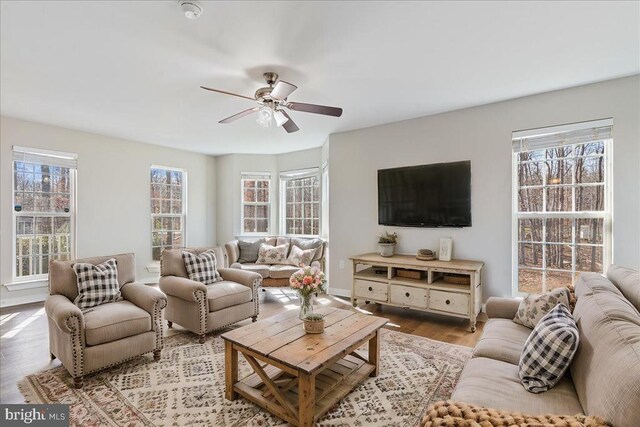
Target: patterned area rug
{"x":186,"y":387}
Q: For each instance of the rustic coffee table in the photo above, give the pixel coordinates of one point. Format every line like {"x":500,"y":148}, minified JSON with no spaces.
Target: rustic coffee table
{"x":297,"y":376}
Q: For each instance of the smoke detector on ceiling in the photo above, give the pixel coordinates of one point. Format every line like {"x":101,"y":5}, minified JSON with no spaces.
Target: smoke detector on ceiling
{"x":191,"y":9}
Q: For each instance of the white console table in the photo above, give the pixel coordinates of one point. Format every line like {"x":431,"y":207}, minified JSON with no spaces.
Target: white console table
{"x":375,"y":279}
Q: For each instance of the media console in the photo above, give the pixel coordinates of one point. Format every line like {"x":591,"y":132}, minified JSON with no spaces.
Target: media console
{"x":452,"y":288}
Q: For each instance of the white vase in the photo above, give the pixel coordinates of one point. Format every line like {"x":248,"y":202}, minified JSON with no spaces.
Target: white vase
{"x":386,"y":249}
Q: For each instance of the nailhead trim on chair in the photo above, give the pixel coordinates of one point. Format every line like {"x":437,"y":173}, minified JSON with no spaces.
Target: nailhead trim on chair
{"x":73,"y":323}
{"x":158,"y":306}
{"x":201,"y":300}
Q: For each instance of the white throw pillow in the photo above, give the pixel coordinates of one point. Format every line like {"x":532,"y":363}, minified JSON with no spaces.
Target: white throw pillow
{"x":268,"y":254}
{"x":97,"y":284}
{"x":202,"y":268}
{"x":534,"y":307}
{"x":301,"y":257}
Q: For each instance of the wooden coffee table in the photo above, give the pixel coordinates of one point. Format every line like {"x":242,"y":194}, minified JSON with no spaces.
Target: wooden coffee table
{"x":297,"y":376}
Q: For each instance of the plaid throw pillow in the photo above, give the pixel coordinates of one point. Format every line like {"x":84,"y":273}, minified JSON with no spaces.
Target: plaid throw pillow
{"x":97,"y":284}
{"x":202,"y":268}
{"x":549,"y":350}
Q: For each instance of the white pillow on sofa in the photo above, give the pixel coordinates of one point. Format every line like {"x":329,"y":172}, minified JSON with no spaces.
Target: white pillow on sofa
{"x":268,"y":254}
{"x":301,"y":257}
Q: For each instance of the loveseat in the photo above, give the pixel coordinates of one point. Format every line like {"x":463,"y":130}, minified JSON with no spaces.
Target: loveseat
{"x":604,"y":376}
{"x":273,"y":275}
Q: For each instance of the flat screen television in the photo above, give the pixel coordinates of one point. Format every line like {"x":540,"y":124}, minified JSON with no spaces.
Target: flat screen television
{"x":436,"y":195}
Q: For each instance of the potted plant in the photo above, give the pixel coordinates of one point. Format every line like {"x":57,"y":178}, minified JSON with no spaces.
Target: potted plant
{"x":307,"y":281}
{"x":313,"y":323}
{"x":387,"y":243}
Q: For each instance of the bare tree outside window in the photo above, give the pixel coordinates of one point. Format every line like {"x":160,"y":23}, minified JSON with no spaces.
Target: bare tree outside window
{"x":43,"y":211}
{"x":167,"y":209}
{"x":302,"y":205}
{"x":256,"y":202}
{"x":561,"y":218}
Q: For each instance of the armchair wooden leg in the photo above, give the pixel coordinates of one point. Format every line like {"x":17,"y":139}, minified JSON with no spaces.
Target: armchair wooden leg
{"x":77,"y":382}
{"x":53,"y":356}
{"x":254,"y":319}
{"x":156,"y":355}
{"x":169,"y":323}
{"x":201,"y":338}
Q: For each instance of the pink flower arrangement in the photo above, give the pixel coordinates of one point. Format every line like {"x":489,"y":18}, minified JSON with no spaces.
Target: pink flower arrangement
{"x":308,"y":280}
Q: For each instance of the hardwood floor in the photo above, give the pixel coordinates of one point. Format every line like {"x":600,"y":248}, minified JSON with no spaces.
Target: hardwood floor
{"x":24,"y":342}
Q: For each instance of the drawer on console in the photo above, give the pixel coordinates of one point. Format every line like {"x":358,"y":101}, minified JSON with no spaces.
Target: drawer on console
{"x":372,"y":290}
{"x":409,"y":296}
{"x":449,"y":301}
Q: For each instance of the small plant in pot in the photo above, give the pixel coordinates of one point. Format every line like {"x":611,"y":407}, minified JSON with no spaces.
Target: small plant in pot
{"x":313,"y":323}
{"x":387,"y":243}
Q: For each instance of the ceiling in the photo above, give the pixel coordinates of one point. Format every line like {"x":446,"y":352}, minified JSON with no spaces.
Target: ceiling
{"x":133,"y":69}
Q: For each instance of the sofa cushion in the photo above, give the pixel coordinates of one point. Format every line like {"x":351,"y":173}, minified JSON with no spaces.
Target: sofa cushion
{"x":304,"y":244}
{"x":97,"y":283}
{"x":201,"y":267}
{"x":249,"y":250}
{"x":261,"y":269}
{"x":606,"y":367}
{"x":535,"y":307}
{"x":272,"y":254}
{"x":300,"y":257}
{"x":282,"y":271}
{"x":549,"y":350}
{"x":628,"y":282}
{"x":495,"y":384}
{"x":227,"y":294}
{"x":114,"y":321}
{"x":502,"y":339}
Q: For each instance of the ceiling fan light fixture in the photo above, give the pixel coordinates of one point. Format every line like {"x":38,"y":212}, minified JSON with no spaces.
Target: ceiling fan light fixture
{"x":280,"y":118}
{"x":265,"y":117}
{"x":191,"y":9}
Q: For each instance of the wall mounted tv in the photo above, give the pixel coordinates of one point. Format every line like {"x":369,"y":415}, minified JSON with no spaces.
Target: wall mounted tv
{"x":436,"y":195}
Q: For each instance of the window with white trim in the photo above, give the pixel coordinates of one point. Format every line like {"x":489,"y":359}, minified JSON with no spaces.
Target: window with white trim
{"x":43,"y":210}
{"x":256,"y":203}
{"x":168,"y":209}
{"x":561,"y":204}
{"x":300,"y":202}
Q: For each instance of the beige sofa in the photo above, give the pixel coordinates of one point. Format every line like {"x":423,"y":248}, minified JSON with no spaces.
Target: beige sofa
{"x":276,"y":275}
{"x":106,"y":335}
{"x":604,"y":376}
{"x":202,"y":309}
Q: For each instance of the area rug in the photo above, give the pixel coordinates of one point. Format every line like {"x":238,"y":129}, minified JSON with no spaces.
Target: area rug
{"x":186,"y":387}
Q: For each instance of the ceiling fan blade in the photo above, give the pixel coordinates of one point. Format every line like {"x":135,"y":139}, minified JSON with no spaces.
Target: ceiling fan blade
{"x":317,"y":109}
{"x":289,"y":125}
{"x":282,"y":89}
{"x":239,"y":115}
{"x":227,"y":93}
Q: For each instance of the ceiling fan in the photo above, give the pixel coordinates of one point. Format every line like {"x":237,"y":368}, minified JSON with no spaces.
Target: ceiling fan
{"x":271,"y":101}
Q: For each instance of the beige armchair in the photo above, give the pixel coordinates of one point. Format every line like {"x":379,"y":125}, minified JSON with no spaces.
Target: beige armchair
{"x":202,"y":309}
{"x":108,"y":334}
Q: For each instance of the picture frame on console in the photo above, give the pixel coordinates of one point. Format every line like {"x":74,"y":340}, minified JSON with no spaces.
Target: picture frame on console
{"x":446,"y":249}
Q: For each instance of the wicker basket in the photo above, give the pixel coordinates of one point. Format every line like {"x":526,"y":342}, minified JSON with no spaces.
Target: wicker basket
{"x":314,"y":326}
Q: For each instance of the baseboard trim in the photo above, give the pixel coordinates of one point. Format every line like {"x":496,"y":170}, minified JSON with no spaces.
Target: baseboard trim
{"x":15,"y":301}
{"x":340,"y":292}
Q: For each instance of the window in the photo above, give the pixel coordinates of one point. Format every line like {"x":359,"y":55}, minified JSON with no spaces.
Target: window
{"x":43,"y":209}
{"x":255,"y":206}
{"x":561,"y":204}
{"x":168,"y":213}
{"x":300,"y":205}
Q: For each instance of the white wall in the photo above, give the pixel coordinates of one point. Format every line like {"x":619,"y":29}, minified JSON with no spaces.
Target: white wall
{"x":113,"y":214}
{"x":228,"y":172}
{"x":482,"y":135}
